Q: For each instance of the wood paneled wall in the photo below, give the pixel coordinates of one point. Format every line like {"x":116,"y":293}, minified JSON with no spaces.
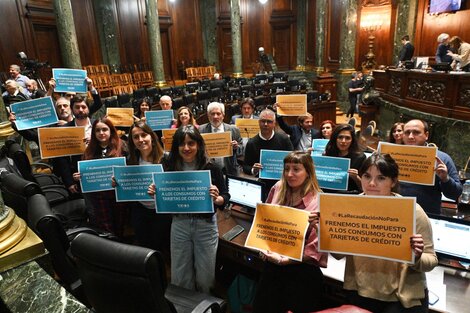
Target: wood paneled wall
{"x":32,"y":29}
{"x":385,"y":12}
{"x":429,"y":26}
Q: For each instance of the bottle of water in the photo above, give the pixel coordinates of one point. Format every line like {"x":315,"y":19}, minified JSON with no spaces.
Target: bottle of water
{"x":466,"y":192}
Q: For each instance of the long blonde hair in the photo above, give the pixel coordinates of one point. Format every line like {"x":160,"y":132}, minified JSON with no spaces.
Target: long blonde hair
{"x":310,"y":184}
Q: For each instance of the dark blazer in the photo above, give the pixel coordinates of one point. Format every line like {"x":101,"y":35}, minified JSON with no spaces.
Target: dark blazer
{"x":295,"y":131}
{"x":64,"y":167}
{"x":406,"y":52}
{"x":230,"y":163}
{"x":255,"y":117}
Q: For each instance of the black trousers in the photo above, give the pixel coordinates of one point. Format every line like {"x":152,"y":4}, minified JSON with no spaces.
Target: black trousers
{"x":296,"y":287}
{"x":151,"y":230}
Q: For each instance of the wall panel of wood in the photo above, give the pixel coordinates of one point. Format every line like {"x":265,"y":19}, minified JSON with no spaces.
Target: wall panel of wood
{"x":333,"y":32}
{"x":87,"y":35}
{"x":429,"y":26}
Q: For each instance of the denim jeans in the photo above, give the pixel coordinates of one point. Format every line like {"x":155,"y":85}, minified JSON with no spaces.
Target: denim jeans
{"x":193,"y":242}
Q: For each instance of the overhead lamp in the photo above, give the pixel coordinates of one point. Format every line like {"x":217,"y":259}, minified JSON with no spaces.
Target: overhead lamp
{"x":263,"y":1}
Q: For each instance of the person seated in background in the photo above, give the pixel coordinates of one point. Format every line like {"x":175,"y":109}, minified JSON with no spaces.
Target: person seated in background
{"x":443,"y":48}
{"x":15,"y":74}
{"x":396,"y":133}
{"x":326,"y":129}
{"x":384,"y":286}
{"x":286,"y":284}
{"x":462,"y":57}
{"x":247,"y":106}
{"x":302,"y":134}
{"x":13,"y":94}
{"x":34,"y":91}
{"x":447,"y":182}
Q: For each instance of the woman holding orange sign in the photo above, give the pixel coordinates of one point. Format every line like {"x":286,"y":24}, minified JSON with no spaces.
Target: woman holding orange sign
{"x":380,"y":285}
{"x":286,"y":284}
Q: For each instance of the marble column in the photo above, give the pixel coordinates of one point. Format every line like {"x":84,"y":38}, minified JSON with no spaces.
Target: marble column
{"x":407,"y":11}
{"x":320,"y":26}
{"x":347,"y":46}
{"x":155,"y":44}
{"x":67,"y":36}
{"x":235,"y":19}
{"x":301,"y":21}
{"x":209,"y":31}
{"x":107,"y":31}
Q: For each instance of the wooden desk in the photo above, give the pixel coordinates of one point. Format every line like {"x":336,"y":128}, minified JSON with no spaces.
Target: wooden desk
{"x":235,"y":250}
{"x":452,"y":286}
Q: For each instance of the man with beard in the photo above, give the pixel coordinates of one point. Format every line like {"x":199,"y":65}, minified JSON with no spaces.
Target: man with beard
{"x":66,"y":166}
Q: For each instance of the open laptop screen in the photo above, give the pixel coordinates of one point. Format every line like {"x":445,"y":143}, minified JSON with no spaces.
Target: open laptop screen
{"x":451,"y":237}
{"x":245,"y":192}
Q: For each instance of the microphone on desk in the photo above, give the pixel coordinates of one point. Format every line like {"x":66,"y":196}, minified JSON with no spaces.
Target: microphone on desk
{"x":247,"y":133}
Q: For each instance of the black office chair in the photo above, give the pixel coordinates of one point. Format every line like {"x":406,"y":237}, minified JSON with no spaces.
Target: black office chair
{"x":111,"y":102}
{"x":124,"y":100}
{"x":118,"y":277}
{"x":139,"y":94}
{"x":49,"y":228}
{"x":50,"y":184}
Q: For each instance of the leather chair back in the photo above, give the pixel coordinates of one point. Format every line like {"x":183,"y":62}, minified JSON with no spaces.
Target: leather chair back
{"x":120,"y":278}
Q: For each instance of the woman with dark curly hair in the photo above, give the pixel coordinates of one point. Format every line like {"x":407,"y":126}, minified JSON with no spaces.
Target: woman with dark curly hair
{"x":343,"y":144}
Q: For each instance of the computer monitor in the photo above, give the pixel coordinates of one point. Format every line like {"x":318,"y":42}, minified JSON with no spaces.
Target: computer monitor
{"x":422,"y":62}
{"x":245,"y":192}
{"x":451,"y":237}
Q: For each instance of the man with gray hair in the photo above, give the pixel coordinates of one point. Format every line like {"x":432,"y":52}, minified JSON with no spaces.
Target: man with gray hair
{"x":15,"y":74}
{"x":443,"y":48}
{"x":216,"y":114}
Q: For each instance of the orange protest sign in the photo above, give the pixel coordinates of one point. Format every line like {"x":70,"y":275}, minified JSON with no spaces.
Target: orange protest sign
{"x":291,"y":105}
{"x":416,"y":162}
{"x":167,"y":135}
{"x":248,"y":127}
{"x":121,"y":116}
{"x":61,"y":141}
{"x":379,"y":227}
{"x":218,"y":144}
{"x":279,"y":229}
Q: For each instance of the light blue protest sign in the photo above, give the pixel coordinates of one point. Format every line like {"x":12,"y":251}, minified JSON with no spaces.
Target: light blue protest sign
{"x":319,"y":146}
{"x":158,"y":120}
{"x":332,"y":172}
{"x":95,"y":175}
{"x":183,"y":192}
{"x":273,"y":163}
{"x":34,"y":113}
{"x":69,"y":80}
{"x":132,"y":181}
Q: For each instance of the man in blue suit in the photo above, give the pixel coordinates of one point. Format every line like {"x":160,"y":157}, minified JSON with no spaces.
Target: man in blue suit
{"x":302,"y":134}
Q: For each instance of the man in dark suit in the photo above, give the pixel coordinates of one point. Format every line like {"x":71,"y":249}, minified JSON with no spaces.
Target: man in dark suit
{"x":32,"y":86}
{"x":64,"y":167}
{"x":302,"y":134}
{"x":406,"y":52}
{"x":216,"y":113}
